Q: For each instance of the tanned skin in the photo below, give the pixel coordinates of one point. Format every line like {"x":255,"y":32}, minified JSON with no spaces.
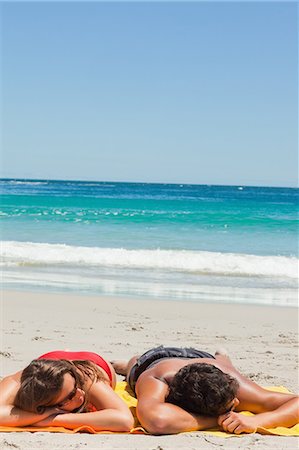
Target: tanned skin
{"x":109,"y":411}
{"x":271,"y":409}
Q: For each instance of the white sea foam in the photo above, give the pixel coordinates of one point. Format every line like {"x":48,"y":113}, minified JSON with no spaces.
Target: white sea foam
{"x":146,"y":288}
{"x":28,"y":183}
{"x":200,"y":262}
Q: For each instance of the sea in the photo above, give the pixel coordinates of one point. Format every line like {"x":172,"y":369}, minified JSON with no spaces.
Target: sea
{"x":200,"y":243}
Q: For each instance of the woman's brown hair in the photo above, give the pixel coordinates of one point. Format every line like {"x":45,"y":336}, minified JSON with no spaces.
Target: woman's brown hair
{"x":42,"y":381}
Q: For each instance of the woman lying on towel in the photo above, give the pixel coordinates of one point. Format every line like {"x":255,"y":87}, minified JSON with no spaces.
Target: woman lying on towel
{"x":54,"y":388}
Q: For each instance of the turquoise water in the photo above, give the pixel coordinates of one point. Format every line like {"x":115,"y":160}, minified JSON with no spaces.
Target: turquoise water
{"x":178,"y":241}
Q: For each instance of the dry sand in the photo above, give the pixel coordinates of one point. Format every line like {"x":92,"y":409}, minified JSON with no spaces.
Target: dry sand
{"x":262,"y":342}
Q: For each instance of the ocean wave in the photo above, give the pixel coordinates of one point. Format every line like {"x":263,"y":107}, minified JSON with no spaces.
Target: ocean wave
{"x":196,"y":262}
{"x":28,"y":183}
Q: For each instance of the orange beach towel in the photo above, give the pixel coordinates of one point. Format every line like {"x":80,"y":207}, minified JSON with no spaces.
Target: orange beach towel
{"x":125,"y":393}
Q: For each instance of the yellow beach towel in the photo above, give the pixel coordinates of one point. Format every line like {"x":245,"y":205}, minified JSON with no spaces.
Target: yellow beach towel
{"x":123,"y":390}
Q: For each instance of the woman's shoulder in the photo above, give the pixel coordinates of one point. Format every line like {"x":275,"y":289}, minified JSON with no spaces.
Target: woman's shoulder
{"x":13,"y":378}
{"x":9,"y":387}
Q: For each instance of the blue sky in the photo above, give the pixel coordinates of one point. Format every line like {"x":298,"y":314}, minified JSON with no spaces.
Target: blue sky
{"x":154,"y":92}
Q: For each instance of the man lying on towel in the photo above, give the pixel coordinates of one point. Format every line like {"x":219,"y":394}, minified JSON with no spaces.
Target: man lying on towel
{"x":184,"y":389}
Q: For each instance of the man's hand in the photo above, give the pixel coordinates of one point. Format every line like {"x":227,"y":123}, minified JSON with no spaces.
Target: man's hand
{"x":236,"y":423}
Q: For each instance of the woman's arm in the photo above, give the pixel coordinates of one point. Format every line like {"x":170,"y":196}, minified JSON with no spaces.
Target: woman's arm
{"x":105,"y":420}
{"x":10,"y":415}
{"x":112,"y":413}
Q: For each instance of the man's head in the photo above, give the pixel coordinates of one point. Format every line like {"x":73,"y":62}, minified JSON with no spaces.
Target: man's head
{"x":203,"y":389}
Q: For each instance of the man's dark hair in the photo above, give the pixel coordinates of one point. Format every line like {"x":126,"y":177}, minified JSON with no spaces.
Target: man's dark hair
{"x":202,"y":389}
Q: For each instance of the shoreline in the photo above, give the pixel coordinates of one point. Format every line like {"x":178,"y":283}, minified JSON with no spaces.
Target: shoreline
{"x":261,"y":340}
{"x":146,"y":297}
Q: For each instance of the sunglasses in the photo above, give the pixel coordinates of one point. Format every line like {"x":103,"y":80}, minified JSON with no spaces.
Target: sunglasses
{"x":69,"y":397}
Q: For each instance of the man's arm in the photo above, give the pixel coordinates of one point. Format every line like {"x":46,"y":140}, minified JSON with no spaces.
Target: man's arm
{"x":285,"y":415}
{"x":159,"y":417}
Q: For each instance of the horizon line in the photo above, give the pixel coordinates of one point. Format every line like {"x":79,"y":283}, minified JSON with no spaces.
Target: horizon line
{"x":146,"y":182}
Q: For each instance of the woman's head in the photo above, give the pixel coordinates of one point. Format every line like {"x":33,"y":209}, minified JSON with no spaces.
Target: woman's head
{"x":50,"y":383}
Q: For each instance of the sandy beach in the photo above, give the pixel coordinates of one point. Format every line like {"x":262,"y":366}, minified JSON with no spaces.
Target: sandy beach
{"x":262,"y":342}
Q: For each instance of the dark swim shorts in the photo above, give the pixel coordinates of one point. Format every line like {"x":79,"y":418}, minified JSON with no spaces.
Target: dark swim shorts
{"x":153,"y":356}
